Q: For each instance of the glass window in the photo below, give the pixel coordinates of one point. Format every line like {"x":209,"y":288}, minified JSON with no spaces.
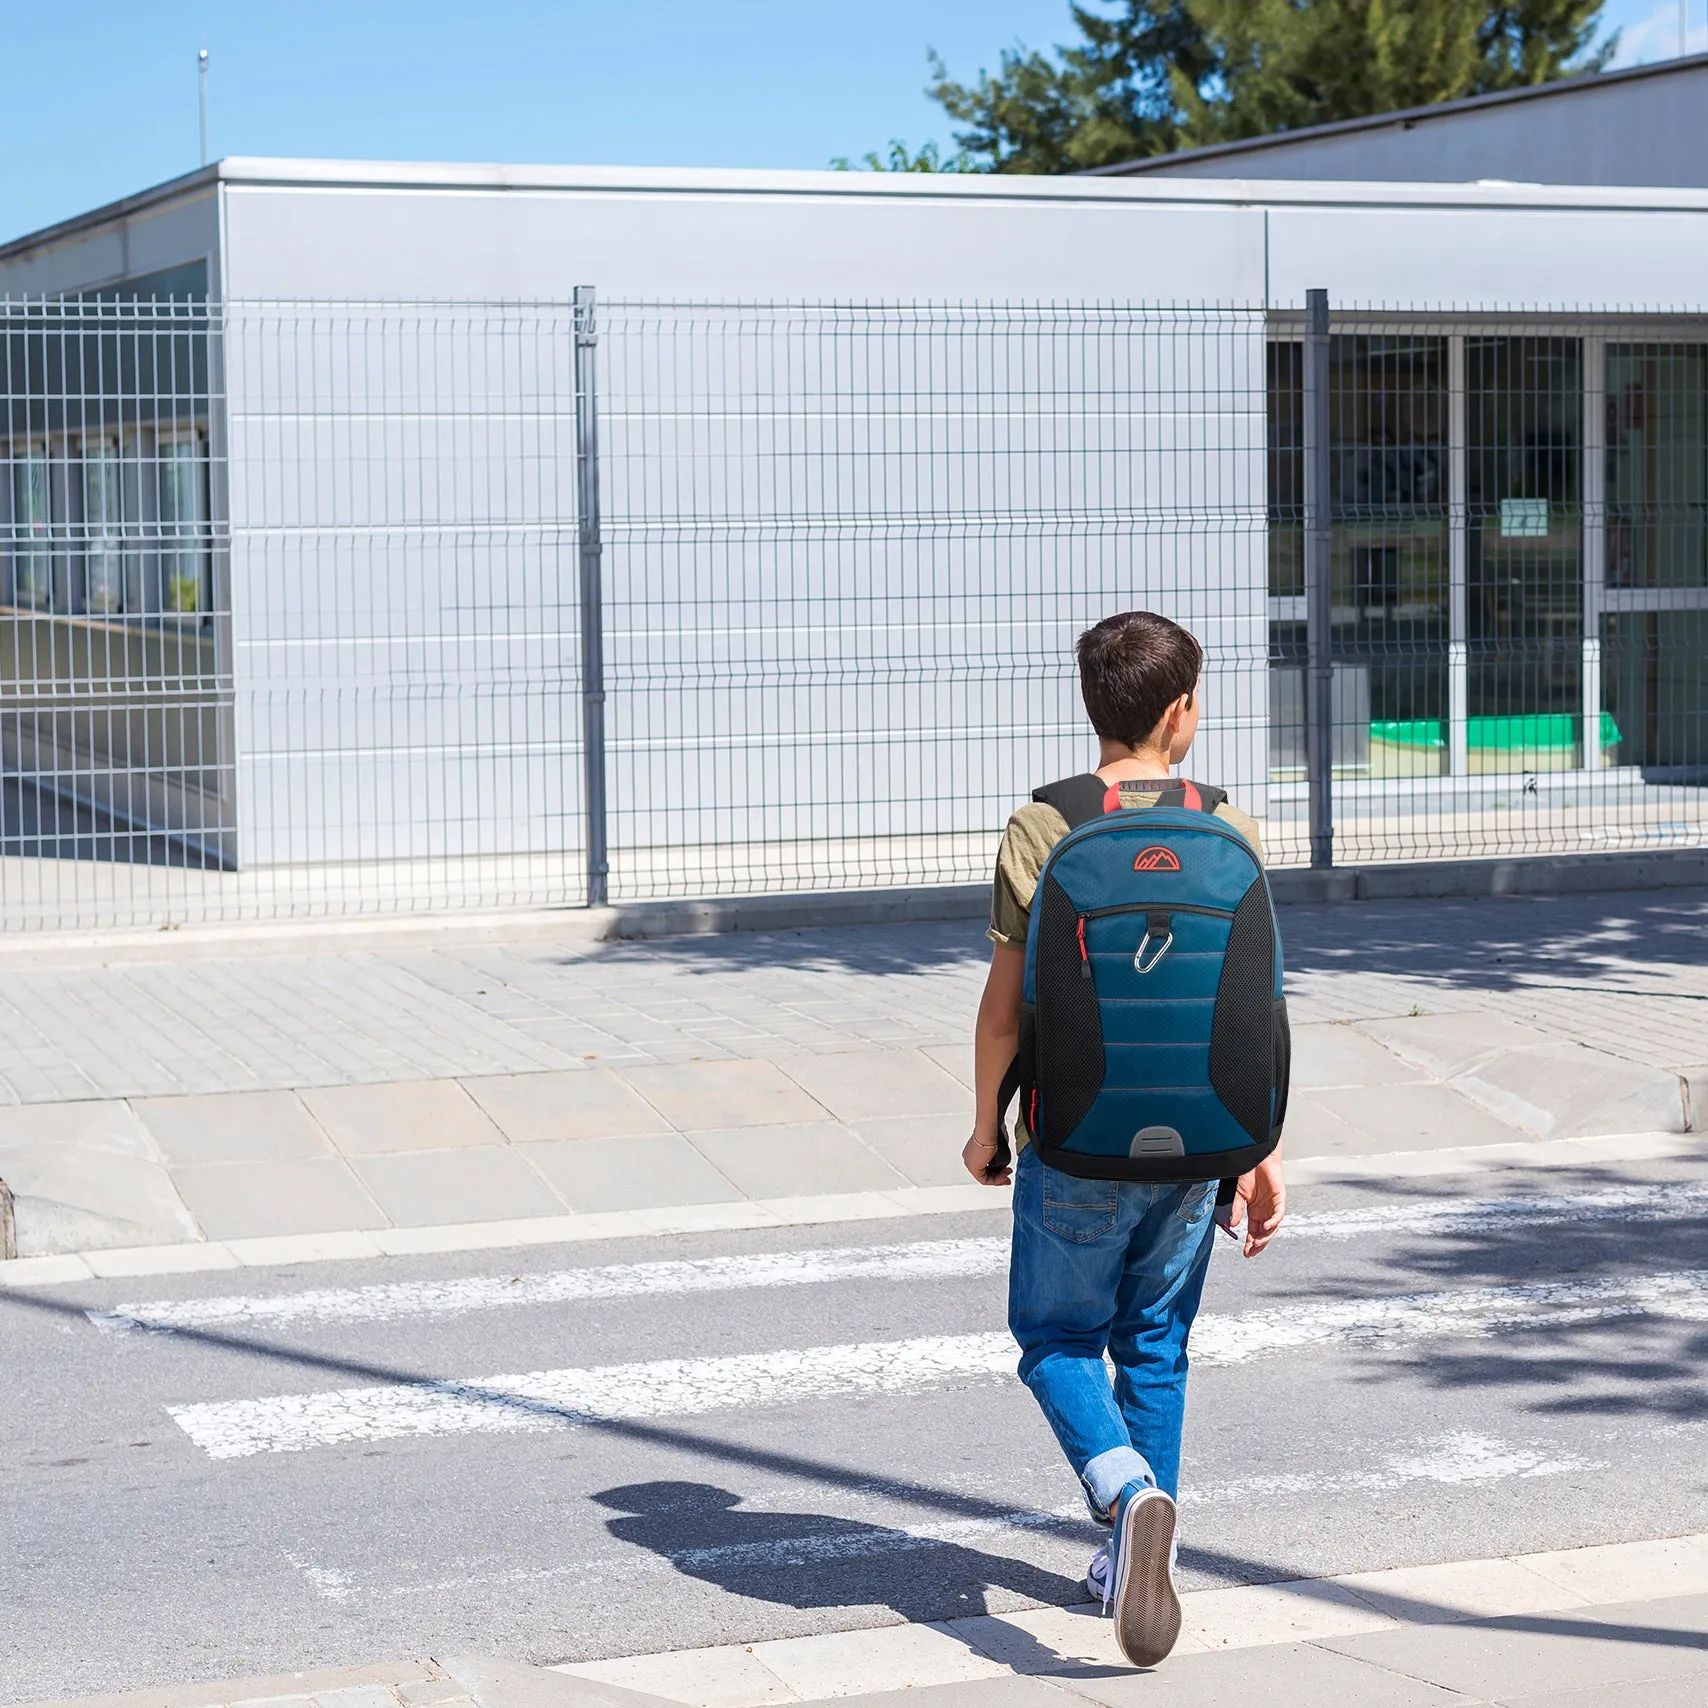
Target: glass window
{"x":1524,"y":468}
{"x":103,"y":531}
{"x":183,"y":528}
{"x":32,"y":543}
{"x":1286,"y":470}
{"x":1655,"y":677}
{"x":1657,"y":465}
{"x":1389,"y":563}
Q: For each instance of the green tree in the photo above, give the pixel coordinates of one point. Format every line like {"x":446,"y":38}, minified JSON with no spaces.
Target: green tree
{"x":901,"y":158}
{"x":1281,"y":64}
{"x":1149,"y":76}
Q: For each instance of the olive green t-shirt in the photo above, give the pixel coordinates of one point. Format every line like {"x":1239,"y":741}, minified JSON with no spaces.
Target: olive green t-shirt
{"x":1035,"y":829}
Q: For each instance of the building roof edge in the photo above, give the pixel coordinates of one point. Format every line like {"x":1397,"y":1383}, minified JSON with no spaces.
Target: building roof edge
{"x":1582,"y":83}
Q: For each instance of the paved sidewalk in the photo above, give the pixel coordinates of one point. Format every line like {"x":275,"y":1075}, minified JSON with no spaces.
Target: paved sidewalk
{"x":226,"y":1095}
{"x":1584,"y":1628}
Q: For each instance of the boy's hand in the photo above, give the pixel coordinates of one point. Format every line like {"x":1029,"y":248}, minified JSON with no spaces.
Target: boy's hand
{"x":980,"y":1154}
{"x":1260,"y":1203}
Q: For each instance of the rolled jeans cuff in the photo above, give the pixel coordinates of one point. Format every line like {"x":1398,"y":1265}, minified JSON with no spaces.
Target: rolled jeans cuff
{"x":1106,"y":1475}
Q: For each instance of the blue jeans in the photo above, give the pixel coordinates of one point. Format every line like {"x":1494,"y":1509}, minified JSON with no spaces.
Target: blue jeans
{"x":1107,"y":1265}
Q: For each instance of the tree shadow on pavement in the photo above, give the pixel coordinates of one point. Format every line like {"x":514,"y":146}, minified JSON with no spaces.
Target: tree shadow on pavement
{"x":809,"y":1560}
{"x":1500,"y":943}
{"x":1592,"y":1326}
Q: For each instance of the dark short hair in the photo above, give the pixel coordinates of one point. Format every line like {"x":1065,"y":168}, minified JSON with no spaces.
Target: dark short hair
{"x":1132,"y":668}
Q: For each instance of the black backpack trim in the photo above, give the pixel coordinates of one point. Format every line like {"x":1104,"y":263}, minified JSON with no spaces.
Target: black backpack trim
{"x":1081,"y":799}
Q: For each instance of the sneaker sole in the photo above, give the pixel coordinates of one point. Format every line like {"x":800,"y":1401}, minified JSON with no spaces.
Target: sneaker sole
{"x":1147,"y":1611}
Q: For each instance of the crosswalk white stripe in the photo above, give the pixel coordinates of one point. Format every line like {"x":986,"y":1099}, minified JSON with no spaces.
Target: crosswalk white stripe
{"x":925,"y":1260}
{"x":549,"y":1399}
{"x":1471,"y":1310}
{"x":679,"y":1387}
{"x":922,"y":1260}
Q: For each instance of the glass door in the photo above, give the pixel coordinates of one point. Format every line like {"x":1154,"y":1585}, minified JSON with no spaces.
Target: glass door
{"x":1655,"y":605}
{"x":1524,"y":467}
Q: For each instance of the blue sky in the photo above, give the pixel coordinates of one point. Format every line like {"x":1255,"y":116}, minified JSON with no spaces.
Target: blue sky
{"x":101,"y":96}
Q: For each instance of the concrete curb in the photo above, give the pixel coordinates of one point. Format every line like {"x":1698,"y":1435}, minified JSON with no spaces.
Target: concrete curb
{"x":1541,"y":874}
{"x":1074,"y":1647}
{"x":276,"y":1251}
{"x":1530,"y":875}
{"x":497,"y":1683}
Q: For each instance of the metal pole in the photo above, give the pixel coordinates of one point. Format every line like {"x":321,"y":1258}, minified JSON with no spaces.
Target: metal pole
{"x":592,"y":592}
{"x":202,"y":77}
{"x":1594,"y":540}
{"x":1458,"y":562}
{"x":1319,"y":696}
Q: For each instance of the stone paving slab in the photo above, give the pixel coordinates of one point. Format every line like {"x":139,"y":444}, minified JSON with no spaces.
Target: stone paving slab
{"x":276,"y":1095}
{"x":1399,"y":1638}
{"x":1537,"y":1657}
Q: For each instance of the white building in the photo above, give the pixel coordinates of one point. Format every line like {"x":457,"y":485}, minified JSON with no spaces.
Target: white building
{"x":379,"y":661}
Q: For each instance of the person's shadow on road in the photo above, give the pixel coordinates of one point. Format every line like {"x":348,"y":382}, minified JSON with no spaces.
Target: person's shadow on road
{"x":805,"y":1560}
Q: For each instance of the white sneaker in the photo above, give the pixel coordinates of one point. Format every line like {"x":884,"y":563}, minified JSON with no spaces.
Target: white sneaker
{"x":1147,"y":1611}
{"x":1100,"y":1576}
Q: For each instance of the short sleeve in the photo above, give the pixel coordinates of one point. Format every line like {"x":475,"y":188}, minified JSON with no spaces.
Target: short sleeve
{"x":1032,"y":832}
{"x":1245,"y":824}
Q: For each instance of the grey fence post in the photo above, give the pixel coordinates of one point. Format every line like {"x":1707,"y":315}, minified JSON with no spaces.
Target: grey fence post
{"x":1319,"y":696}
{"x":592,"y":593}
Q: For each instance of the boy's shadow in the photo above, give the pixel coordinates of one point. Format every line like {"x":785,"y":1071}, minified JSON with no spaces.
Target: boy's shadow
{"x":802,"y":1559}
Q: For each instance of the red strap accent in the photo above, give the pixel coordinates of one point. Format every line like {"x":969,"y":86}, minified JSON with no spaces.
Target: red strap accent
{"x":1032,"y":1121}
{"x":1112,"y":798}
{"x":1082,"y":954}
{"x":1194,"y":800}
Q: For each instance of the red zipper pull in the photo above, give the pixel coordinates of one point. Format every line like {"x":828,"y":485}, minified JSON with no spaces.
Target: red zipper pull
{"x":1084,"y":958}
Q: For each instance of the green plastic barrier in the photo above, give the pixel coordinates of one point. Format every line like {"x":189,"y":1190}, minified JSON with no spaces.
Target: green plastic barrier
{"x":1535,"y":732}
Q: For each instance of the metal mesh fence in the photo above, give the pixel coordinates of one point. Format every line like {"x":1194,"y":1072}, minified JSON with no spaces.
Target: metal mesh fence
{"x":848,"y":551}
{"x":291,"y":596}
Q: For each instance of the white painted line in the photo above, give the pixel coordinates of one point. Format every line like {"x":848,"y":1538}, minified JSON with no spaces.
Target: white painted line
{"x":556,"y":1399}
{"x":921,"y":1260}
{"x":1069,"y":1522}
{"x":1615,"y":1148}
{"x":1458,"y":1459}
{"x":1472,"y":1310}
{"x":924,"y":1260}
{"x":1657,"y":1203}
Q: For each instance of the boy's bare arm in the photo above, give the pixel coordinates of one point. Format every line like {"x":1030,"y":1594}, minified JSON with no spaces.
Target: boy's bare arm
{"x":994,"y":1042}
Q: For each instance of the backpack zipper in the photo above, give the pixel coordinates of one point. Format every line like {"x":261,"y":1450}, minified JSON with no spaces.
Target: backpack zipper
{"x":1084,"y":958}
{"x":1148,"y":907}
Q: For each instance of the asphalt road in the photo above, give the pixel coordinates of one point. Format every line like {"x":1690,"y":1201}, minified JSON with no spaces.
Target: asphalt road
{"x":574,"y":1452}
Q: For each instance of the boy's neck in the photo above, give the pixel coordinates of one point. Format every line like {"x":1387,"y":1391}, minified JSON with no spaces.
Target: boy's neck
{"x":1118,"y":764}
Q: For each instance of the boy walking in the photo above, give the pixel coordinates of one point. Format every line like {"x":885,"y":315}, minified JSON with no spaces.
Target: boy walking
{"x":1113,"y":1227}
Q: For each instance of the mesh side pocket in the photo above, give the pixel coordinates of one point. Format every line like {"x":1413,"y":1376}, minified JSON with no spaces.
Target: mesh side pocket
{"x":1283,"y":1061}
{"x":1242,"y":1033}
{"x":1069,"y":1027}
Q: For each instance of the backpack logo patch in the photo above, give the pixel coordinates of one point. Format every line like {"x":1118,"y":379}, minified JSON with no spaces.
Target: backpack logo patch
{"x":1157,"y":860}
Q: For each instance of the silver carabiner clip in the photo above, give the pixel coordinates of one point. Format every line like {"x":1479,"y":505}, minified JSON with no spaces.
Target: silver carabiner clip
{"x":1159,"y":930}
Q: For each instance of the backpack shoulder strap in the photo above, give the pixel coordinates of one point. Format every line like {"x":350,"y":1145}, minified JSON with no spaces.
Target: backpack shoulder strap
{"x":1079,"y":799}
{"x":1083,"y":798}
{"x":1195,"y":797}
